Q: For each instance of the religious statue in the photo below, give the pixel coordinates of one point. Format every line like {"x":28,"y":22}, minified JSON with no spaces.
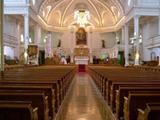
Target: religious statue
{"x":81,"y":37}
{"x":103,"y":44}
{"x":59,"y":43}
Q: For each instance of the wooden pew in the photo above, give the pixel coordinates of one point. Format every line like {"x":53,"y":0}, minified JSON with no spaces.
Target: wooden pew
{"x":47,"y":89}
{"x":37,"y":98}
{"x":54,"y":85}
{"x":111,"y":74}
{"x":116,"y":84}
{"x":17,"y":110}
{"x":109,"y":79}
{"x":38,"y":76}
{"x":138,"y":99}
{"x":123,"y":91}
{"x":151,"y":112}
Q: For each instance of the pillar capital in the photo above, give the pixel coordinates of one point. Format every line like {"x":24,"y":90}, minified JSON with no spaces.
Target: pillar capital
{"x":137,"y":16}
{"x":126,"y":24}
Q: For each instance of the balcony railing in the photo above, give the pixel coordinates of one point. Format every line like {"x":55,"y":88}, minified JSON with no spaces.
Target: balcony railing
{"x":153,"y":42}
{"x":17,"y":2}
{"x":147,"y":3}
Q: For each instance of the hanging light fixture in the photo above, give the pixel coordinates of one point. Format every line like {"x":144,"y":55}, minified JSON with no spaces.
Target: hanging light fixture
{"x":82,"y":17}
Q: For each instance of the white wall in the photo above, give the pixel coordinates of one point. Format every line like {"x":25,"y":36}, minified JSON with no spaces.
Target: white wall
{"x":156,"y":51}
{"x":96,"y":41}
{"x":65,"y":39}
{"x":10,"y":26}
{"x":11,"y":34}
{"x":149,"y":30}
{"x":110,"y":39}
{"x":55,"y":38}
{"x":9,"y":52}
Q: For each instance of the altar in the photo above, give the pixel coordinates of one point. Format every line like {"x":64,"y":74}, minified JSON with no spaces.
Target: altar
{"x":81,"y":55}
{"x":81,"y":60}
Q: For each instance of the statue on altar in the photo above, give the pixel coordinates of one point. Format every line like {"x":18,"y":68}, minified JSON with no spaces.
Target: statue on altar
{"x":81,"y":37}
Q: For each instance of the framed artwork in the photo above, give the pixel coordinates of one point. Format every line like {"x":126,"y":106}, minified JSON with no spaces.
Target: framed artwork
{"x":81,"y":37}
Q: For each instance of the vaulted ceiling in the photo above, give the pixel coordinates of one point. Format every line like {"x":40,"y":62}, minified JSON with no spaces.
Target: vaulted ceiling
{"x":60,"y":13}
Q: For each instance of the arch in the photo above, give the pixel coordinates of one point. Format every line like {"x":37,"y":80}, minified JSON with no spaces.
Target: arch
{"x":153,"y":56}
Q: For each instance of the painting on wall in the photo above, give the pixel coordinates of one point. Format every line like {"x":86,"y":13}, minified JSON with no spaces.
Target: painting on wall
{"x":81,"y":37}
{"x":32,"y":50}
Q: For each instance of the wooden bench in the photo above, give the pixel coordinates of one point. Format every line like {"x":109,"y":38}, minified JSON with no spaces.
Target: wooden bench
{"x":54,"y":85}
{"x":47,"y":89}
{"x":151,"y":112}
{"x":116,"y":84}
{"x":110,"y":79}
{"x":37,"y":98}
{"x":123,"y":91}
{"x":17,"y":110}
{"x":138,"y":99}
{"x":38,"y":78}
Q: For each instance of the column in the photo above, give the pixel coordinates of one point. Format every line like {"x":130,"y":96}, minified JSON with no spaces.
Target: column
{"x":90,"y":49}
{"x":159,"y":25}
{"x":72,"y":44}
{"x":123,"y":36}
{"x":18,"y":48}
{"x":37,"y":39}
{"x":117,"y":37}
{"x":49,"y":44}
{"x":159,"y":61}
{"x":37,"y":36}
{"x":136,"y":35}
{"x":26,"y":37}
{"x":1,"y":38}
{"x":159,"y":34}
{"x":126,"y":37}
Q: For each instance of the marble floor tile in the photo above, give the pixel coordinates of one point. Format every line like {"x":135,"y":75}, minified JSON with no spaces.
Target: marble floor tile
{"x":82,"y":101}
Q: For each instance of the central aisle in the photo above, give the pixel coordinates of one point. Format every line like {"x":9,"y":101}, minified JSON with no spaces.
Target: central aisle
{"x":82,"y":101}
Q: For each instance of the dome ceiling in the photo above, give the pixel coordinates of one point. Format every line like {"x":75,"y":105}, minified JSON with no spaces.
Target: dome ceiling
{"x":60,"y":13}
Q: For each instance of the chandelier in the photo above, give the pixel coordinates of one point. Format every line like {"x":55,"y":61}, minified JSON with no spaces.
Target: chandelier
{"x":82,"y":17}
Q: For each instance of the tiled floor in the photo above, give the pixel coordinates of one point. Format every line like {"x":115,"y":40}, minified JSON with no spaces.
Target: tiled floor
{"x":82,"y":101}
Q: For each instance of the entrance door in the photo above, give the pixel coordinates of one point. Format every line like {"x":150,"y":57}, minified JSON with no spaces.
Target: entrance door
{"x":41,"y":58}
{"x":121,"y":60}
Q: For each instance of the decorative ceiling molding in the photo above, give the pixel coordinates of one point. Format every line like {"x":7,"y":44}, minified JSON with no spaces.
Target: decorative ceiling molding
{"x":107,"y":8}
{"x":97,"y":11}
{"x":119,"y":6}
{"x":91,"y":3}
{"x":63,"y":15}
{"x":99,"y":16}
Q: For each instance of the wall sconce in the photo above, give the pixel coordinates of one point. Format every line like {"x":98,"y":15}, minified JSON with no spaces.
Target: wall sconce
{"x":22,"y":38}
{"x":140,"y":39}
{"x":30,"y":40}
{"x":45,"y":39}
